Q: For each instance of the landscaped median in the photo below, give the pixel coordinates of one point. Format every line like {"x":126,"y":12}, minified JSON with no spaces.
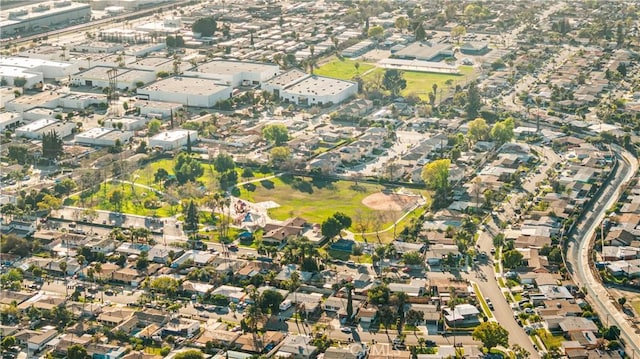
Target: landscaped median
{"x":483,"y":303}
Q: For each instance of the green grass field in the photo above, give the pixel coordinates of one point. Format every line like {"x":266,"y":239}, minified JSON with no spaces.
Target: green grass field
{"x":636,"y":306}
{"x":342,"y":69}
{"x":313,"y":200}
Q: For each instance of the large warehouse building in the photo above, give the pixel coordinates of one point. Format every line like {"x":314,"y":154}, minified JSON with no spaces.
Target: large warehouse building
{"x":41,"y":17}
{"x":33,"y":71}
{"x":101,"y":136}
{"x":298,"y":87}
{"x":175,"y":139}
{"x":36,"y":129}
{"x":125,"y":78}
{"x":236,"y":73}
{"x":188,"y":91}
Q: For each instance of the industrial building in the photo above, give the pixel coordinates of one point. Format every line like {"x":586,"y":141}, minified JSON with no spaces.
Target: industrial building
{"x":34,"y":71}
{"x":125,"y":78}
{"x":171,"y":140}
{"x":236,"y":73}
{"x":128,"y":5}
{"x":189,"y":91}
{"x":42,"y":16}
{"x":425,"y":51}
{"x":36,"y":129}
{"x":156,"y":109}
{"x":101,"y":136}
{"x":298,"y":87}
{"x":9,"y":120}
{"x":128,"y":123}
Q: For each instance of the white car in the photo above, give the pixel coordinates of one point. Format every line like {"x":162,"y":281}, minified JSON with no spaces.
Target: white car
{"x":345,"y":330}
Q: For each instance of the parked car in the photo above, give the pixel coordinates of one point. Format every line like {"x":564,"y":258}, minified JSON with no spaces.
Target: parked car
{"x":345,"y":330}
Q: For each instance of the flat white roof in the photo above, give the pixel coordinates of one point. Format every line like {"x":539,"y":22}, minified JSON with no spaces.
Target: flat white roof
{"x":13,"y":71}
{"x":187,"y":85}
{"x":320,"y":86}
{"x":30,"y":63}
{"x":95,"y":132}
{"x":234,"y":67}
{"x":9,"y":117}
{"x":174,"y":135}
{"x":36,"y":125}
{"x":54,"y":7}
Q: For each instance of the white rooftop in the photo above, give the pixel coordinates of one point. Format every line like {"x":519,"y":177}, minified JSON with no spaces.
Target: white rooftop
{"x":174,"y":135}
{"x":96,"y":132}
{"x":36,"y":125}
{"x":319,"y":86}
{"x":186,"y":85}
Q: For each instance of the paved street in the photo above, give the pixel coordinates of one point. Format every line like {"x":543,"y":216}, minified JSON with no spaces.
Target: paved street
{"x":579,"y":249}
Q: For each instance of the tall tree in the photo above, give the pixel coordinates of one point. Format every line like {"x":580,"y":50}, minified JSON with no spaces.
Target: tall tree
{"x":394,"y":82}
{"x":191,"y":217}
{"x":435,"y":175}
{"x":401,"y":23}
{"x":491,"y":334}
{"x":205,"y":26}
{"x":51,"y":145}
{"x":478,"y":130}
{"x":76,"y":351}
{"x":349,"y":288}
{"x":223,"y":162}
{"x":419,"y":33}
{"x":502,"y":131}
{"x":277,"y":134}
{"x":474,"y":100}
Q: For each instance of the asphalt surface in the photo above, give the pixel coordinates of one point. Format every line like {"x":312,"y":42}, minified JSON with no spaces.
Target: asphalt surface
{"x":579,"y":249}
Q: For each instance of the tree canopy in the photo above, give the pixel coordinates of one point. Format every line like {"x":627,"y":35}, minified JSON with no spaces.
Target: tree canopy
{"x":187,"y":168}
{"x":332,"y":226}
{"x":491,"y":334}
{"x":277,"y":134}
{"x":474,"y":101}
{"x":394,"y":82}
{"x":51,"y":145}
{"x":205,"y":26}
{"x":502,"y":131}
{"x":436,"y":176}
{"x":478,"y":130}
{"x":76,"y":351}
{"x":223,"y":162}
{"x":190,"y":354}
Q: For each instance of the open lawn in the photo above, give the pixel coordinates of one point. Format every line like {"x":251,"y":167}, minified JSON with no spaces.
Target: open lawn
{"x":421,"y":83}
{"x":636,"y":306}
{"x":342,"y":69}
{"x":549,"y":340}
{"x":315,"y":200}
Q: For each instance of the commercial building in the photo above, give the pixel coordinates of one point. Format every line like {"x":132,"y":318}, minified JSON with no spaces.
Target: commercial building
{"x":128,"y":5}
{"x":78,"y":101}
{"x":156,"y":109}
{"x":418,"y":66}
{"x":33,"y":70}
{"x":171,"y":140}
{"x":128,"y":123}
{"x":101,"y":136}
{"x":38,"y":113}
{"x":189,"y":91}
{"x":300,"y":88}
{"x":236,"y":73}
{"x":358,"y":49}
{"x":125,"y":78}
{"x":36,"y":129}
{"x":46,"y":99}
{"x":425,"y":51}
{"x":42,"y":16}
{"x":9,"y":120}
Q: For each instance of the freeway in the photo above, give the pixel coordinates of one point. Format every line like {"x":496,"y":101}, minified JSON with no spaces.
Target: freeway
{"x":93,"y":24}
{"x":579,"y":249}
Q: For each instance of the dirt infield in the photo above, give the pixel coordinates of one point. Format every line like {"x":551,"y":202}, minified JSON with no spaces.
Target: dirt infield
{"x":389,"y":201}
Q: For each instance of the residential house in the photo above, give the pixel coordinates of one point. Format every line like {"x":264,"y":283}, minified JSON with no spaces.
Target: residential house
{"x":326,"y":162}
{"x":415,"y":288}
{"x":114,"y":317}
{"x":577,"y":324}
{"x":36,"y":343}
{"x":386,"y":351}
{"x":462,"y":315}
{"x":367,"y":316}
{"x":161,"y":253}
{"x":198,"y":288}
{"x":253,"y":344}
{"x":310,"y":303}
{"x":614,"y":253}
{"x":297,"y":347}
{"x":345,"y":353}
{"x":339,"y":305}
{"x":233,"y":293}
{"x":199,"y":258}
{"x":278,"y":234}
{"x":181,"y":327}
{"x":128,"y":276}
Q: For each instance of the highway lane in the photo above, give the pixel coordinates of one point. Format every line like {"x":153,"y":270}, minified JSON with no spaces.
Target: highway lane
{"x":579,"y":249}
